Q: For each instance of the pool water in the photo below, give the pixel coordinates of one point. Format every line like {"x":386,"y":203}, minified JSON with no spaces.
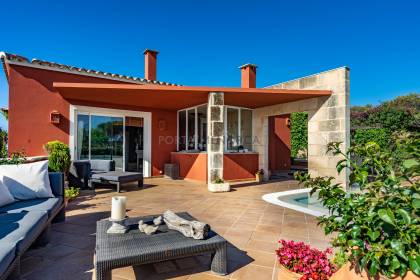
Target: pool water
{"x":305,"y":200}
{"x":299,"y":200}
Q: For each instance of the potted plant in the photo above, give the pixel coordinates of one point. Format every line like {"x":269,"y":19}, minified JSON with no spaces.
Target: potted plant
{"x":70,"y":194}
{"x":58,"y":156}
{"x":378,"y":227}
{"x":298,"y":260}
{"x":219,"y":185}
{"x":259,"y":175}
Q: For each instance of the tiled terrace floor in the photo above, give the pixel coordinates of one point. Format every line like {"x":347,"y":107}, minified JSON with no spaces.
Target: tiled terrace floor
{"x":251,"y":225}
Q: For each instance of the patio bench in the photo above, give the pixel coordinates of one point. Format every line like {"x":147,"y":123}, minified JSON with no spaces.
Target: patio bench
{"x":136,"y":248}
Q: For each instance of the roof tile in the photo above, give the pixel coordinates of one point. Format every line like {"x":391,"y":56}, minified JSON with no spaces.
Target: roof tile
{"x":7,"y":57}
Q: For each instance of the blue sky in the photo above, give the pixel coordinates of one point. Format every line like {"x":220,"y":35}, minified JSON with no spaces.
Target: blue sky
{"x":203,"y":42}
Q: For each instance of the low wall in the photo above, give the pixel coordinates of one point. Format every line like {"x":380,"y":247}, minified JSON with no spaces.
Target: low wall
{"x":191,"y":165}
{"x":240,"y":166}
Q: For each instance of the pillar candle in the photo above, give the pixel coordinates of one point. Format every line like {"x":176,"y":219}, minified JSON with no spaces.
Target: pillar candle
{"x":118,"y":207}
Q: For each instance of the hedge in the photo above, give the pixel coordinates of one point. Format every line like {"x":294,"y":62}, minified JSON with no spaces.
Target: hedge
{"x":381,"y":136}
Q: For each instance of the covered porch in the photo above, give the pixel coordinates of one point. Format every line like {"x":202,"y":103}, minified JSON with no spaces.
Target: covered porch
{"x":211,"y":132}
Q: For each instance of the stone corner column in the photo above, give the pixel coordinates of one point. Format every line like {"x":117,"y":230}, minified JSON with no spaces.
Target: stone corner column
{"x":215,"y":132}
{"x":330,"y":122}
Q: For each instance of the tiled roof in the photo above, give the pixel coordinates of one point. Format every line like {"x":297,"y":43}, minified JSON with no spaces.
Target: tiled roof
{"x":38,"y":63}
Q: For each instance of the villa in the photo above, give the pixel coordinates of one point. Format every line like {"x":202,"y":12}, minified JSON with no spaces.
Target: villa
{"x":143,"y":124}
{"x":146,"y":127}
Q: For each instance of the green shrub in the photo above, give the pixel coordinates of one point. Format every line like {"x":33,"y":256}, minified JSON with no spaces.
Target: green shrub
{"x":71,"y":193}
{"x":58,"y":156}
{"x":379,"y":135}
{"x":15,"y":158}
{"x":378,"y":228}
{"x":218,"y":180}
{"x":299,"y":133}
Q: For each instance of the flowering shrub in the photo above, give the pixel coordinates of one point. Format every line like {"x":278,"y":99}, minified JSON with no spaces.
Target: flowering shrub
{"x":301,"y":258}
{"x":378,"y":228}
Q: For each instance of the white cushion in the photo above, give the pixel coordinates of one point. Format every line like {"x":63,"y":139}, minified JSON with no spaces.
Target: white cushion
{"x":27,"y":181}
{"x":5,"y":196}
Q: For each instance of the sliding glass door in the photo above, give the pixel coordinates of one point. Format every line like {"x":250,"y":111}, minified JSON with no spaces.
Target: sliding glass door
{"x":100,"y":137}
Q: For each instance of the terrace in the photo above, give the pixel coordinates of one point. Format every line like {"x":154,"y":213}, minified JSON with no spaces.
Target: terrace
{"x":251,"y":225}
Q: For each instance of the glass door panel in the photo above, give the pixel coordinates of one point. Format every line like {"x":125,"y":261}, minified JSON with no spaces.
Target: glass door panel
{"x":82,"y":148}
{"x":107,"y":139}
{"x":134,"y":144}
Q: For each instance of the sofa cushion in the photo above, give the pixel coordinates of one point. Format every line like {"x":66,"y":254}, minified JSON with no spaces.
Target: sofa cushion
{"x":98,"y":165}
{"x":118,"y":176}
{"x":49,"y":205}
{"x":21,"y":229}
{"x":5,"y":195}
{"x":27,"y":181}
{"x":7,"y":254}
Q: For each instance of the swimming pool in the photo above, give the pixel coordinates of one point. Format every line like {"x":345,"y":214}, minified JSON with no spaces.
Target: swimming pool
{"x":299,"y":200}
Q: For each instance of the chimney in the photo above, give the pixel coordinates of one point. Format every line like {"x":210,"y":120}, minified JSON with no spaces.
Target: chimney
{"x":150,"y":60}
{"x":248,"y":75}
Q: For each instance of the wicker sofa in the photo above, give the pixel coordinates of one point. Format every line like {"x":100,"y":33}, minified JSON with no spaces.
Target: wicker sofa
{"x":28,"y":222}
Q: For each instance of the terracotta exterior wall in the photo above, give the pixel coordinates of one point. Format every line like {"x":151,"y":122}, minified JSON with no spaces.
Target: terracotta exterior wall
{"x":240,"y":166}
{"x":32,"y":98}
{"x":279,"y":143}
{"x":191,"y":165}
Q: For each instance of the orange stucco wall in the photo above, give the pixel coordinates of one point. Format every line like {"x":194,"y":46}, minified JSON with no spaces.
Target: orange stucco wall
{"x":32,"y":98}
{"x":240,"y":166}
{"x":191,"y":165}
{"x":279,"y":143}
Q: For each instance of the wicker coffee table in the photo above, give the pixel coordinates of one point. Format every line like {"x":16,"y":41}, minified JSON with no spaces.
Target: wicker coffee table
{"x":136,"y":248}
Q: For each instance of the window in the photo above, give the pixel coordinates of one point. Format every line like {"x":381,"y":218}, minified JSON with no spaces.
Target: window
{"x":232,"y":128}
{"x":202,"y":127}
{"x":192,"y":129}
{"x":246,"y":129}
{"x":238,"y":129}
{"x":182,"y":130}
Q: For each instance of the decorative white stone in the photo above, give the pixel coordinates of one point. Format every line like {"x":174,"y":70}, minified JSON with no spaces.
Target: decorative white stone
{"x":147,"y":229}
{"x":223,"y":187}
{"x":157,"y":221}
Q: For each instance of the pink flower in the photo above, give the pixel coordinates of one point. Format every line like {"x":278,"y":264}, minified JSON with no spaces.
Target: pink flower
{"x":301,"y":258}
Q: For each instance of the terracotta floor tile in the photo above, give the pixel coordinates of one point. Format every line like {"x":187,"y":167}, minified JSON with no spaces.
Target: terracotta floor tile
{"x":259,"y":245}
{"x":252,"y":225}
{"x":262,"y":258}
{"x":265,"y":236}
{"x":253,"y":272}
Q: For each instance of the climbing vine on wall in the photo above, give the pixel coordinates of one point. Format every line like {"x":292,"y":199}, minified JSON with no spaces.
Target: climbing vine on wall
{"x":299,"y":134}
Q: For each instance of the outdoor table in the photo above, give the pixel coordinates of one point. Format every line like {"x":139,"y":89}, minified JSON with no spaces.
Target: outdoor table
{"x":136,"y":248}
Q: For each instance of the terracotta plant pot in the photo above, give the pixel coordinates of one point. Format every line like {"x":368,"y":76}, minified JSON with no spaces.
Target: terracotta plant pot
{"x":286,"y":274}
{"x":348,"y":272}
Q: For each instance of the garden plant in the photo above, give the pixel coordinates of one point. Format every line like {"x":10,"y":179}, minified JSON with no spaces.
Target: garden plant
{"x":58,"y":156}
{"x":306,"y":262}
{"x":377,"y":227}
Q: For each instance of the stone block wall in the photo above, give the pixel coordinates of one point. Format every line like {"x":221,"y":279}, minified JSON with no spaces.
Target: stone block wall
{"x":216,"y":129}
{"x":329,"y":120}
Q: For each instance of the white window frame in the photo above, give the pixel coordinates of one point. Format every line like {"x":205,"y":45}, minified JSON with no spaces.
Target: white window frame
{"x":186,"y":127}
{"x":239,"y":125}
{"x":97,"y":111}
